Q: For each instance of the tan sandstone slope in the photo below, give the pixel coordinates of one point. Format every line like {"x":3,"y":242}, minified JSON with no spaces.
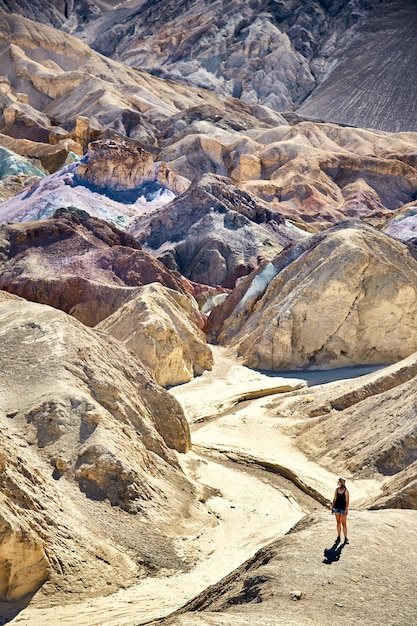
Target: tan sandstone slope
{"x":347,"y":296}
{"x":161,"y":327}
{"x":92,"y":488}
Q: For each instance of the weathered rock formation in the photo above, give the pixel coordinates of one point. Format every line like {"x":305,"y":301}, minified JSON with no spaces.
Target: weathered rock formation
{"x":13,"y":165}
{"x":51,"y":157}
{"x":347,"y":296}
{"x":79,"y":264}
{"x":45,"y":196}
{"x":214,"y":233}
{"x":315,"y":174}
{"x":24,"y":564}
{"x":160,"y":326}
{"x":87,"y":438}
{"x":113,"y":166}
{"x":338,"y":61}
{"x":309,"y":172}
{"x":325,"y":173}
{"x":82,"y":94}
{"x":403,"y":226}
{"x":15,"y":173}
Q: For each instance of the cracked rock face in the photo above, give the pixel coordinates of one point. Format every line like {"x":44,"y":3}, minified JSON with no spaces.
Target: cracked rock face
{"x":346,"y":297}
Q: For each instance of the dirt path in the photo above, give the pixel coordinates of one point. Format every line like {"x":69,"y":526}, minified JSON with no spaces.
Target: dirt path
{"x":249,"y":513}
{"x":248,"y":510}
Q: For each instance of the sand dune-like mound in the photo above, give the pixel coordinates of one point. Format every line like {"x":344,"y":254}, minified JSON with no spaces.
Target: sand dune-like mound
{"x":344,"y":297}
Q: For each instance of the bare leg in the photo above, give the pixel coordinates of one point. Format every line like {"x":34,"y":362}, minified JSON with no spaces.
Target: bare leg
{"x":344,"y":520}
{"x":339,"y":523}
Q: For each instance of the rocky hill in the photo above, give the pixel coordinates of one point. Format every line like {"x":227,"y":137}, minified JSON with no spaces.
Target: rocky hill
{"x":78,"y":264}
{"x":344,"y":297}
{"x":336,"y":61}
{"x":167,"y":186}
{"x":80,"y":416}
{"x":160,"y":326}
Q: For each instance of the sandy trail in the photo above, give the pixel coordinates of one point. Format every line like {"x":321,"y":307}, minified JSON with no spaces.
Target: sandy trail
{"x":250,"y":429}
{"x":248,"y":512}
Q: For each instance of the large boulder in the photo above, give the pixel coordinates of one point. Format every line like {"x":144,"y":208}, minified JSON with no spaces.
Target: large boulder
{"x":344,"y":297}
{"x":161,"y":327}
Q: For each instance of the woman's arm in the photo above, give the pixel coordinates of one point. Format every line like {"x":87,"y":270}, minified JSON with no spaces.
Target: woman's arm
{"x":347,"y":501}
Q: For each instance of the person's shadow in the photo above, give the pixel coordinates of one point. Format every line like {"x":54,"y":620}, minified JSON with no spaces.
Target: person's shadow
{"x":334,"y":553}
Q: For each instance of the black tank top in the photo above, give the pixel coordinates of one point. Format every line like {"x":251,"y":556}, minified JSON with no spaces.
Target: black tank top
{"x":340,"y":499}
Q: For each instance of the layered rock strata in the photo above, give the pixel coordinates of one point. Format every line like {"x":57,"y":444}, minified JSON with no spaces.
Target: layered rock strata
{"x":79,"y":264}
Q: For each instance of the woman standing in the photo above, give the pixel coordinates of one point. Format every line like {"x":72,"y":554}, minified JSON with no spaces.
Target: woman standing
{"x":340,"y":507}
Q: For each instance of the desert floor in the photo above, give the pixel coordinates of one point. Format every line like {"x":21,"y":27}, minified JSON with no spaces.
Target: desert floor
{"x":231,"y":442}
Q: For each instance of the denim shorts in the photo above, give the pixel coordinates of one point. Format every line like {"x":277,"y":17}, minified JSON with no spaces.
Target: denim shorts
{"x":340,"y":511}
